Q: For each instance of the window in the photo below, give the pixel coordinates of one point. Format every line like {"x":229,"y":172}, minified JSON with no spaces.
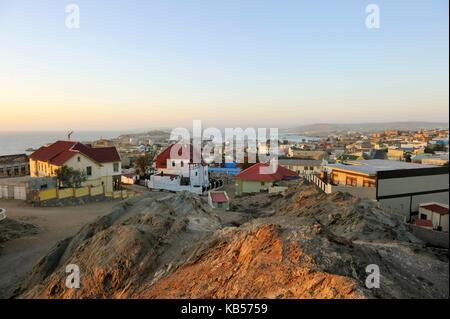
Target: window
{"x":182,"y":164}
{"x":219,"y":205}
{"x":89,"y":171}
{"x":367,"y":183}
{"x":173,"y":164}
{"x":116,"y":167}
{"x":79,"y":159}
{"x":335,"y":178}
{"x":350,"y":181}
{"x":262,"y":183}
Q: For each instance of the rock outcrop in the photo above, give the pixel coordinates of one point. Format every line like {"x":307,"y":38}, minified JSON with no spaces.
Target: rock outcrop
{"x":312,"y":245}
{"x":12,"y":229}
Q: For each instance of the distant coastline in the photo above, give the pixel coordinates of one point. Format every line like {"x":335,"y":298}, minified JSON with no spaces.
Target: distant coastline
{"x":19,"y":142}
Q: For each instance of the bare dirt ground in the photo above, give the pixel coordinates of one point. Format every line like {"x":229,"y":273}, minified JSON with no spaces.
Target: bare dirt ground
{"x":18,"y":256}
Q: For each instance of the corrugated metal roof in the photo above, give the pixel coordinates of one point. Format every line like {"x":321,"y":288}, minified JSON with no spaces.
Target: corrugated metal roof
{"x":371,"y":167}
{"x":218,"y":197}
{"x":303,"y":162}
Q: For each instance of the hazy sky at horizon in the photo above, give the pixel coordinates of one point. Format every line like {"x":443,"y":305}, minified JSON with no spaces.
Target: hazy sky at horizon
{"x":228,"y":63}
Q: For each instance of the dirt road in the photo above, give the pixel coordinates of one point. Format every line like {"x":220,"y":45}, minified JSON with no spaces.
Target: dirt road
{"x":18,"y":256}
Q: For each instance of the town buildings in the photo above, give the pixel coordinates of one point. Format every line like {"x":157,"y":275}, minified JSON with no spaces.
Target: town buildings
{"x":179,"y":168}
{"x":400,"y":186}
{"x":14,"y":165}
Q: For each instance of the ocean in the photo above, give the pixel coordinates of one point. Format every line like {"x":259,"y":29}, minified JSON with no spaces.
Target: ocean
{"x":18,"y":142}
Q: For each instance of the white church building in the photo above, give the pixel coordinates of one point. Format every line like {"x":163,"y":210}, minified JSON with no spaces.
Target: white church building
{"x":180,"y":168}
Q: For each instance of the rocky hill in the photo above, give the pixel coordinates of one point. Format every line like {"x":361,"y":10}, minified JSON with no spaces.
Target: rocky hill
{"x":305,"y":244}
{"x":12,"y":229}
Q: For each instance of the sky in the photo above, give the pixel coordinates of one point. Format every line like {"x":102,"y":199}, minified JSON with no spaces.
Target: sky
{"x":149,"y":64}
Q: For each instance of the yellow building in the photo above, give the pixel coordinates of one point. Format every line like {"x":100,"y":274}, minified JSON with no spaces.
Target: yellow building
{"x":349,"y":157}
{"x":346,"y":175}
{"x":101,"y":165}
{"x":394,"y":154}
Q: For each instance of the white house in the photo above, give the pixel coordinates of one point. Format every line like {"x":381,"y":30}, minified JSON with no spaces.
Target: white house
{"x":179,"y":168}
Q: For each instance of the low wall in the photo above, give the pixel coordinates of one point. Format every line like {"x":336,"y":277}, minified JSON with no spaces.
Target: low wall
{"x":81,"y":200}
{"x":75,"y":196}
{"x":363,"y":192}
{"x":431,"y":237}
{"x":277,"y":189}
{"x":39,"y":183}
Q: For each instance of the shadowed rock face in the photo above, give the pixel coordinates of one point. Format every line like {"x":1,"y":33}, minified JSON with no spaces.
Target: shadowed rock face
{"x":12,"y":229}
{"x":312,"y":246}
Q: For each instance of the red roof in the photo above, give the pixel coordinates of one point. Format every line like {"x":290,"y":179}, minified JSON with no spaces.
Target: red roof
{"x":46,"y":153}
{"x":253,"y":173}
{"x":99,"y":154}
{"x":63,"y":157}
{"x":218,"y":197}
{"x":423,"y":222}
{"x":61,"y":151}
{"x":178,"y":151}
{"x":436,"y":209}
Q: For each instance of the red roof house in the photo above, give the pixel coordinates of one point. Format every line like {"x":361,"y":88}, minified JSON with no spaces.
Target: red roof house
{"x":260,"y":177}
{"x":178,"y":151}
{"x":256,"y":173}
{"x":218,"y":198}
{"x":435,"y":208}
{"x":60,"y":152}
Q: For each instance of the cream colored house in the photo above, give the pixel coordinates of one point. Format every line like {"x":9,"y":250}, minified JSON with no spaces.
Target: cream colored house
{"x":301,"y":166}
{"x":102,"y":165}
{"x":260,"y":178}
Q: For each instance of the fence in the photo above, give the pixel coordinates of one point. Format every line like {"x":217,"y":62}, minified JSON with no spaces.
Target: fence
{"x":316,"y":180}
{"x":277,"y":189}
{"x":362,"y":192}
{"x":57,"y":193}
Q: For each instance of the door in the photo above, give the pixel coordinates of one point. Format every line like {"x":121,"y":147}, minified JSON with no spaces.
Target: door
{"x":4,"y":192}
{"x":19,"y":193}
